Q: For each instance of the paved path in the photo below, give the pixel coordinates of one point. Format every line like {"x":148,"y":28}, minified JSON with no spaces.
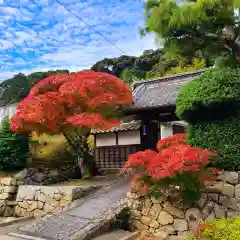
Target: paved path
{"x":76,"y":222}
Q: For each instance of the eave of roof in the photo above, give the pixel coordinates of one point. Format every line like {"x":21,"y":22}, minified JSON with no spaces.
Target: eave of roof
{"x":129,"y":126}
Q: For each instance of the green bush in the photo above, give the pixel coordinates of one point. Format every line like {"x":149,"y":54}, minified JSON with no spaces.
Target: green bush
{"x":14,"y":148}
{"x":220,"y":229}
{"x":222,"y":136}
{"x":213,"y":95}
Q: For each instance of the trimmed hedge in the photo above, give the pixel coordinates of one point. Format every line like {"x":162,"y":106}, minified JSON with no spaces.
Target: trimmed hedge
{"x":214,"y":95}
{"x":14,"y":148}
{"x":222,"y":136}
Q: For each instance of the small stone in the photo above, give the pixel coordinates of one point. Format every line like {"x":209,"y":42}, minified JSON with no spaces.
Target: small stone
{"x":146,"y":210}
{"x":168,"y":207}
{"x":219,"y":211}
{"x":40,"y":205}
{"x":8,"y":212}
{"x":213,"y":197}
{"x":22,"y":174}
{"x":137,"y":205}
{"x":159,"y":200}
{"x":224,"y":200}
{"x":33,"y":206}
{"x":9,"y":189}
{"x":23,"y":205}
{"x":210,"y":217}
{"x":228,"y":190}
{"x":155,"y":210}
{"x":18,"y":211}
{"x":231,"y":213}
{"x":194,"y":218}
{"x":165,"y":218}
{"x":231,"y":177}
{"x":234,"y":204}
{"x":6,"y":181}
{"x":57,"y":197}
{"x":39,"y":177}
{"x":162,"y":235}
{"x":237,"y":190}
{"x":221,"y":187}
{"x":63,"y":203}
{"x":180,"y":225}
{"x":209,"y":207}
{"x":135,"y":214}
{"x":38,"y":213}
{"x":169,"y":229}
{"x":137,"y":224}
{"x":202,"y":201}
{"x":154,"y":224}
{"x":4,"y":196}
{"x":146,"y":220}
{"x":47,"y":208}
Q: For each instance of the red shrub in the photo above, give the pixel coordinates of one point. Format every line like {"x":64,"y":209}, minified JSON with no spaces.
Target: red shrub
{"x":176,"y":139}
{"x":176,"y":160}
{"x":140,"y":159}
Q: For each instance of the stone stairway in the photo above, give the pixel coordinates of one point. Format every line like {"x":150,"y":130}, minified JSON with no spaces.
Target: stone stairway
{"x":91,"y":217}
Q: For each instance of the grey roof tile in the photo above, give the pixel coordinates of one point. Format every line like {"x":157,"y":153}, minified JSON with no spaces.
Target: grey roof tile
{"x":129,"y":126}
{"x":160,"y":92}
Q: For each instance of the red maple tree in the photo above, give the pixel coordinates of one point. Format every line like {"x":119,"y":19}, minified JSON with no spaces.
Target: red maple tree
{"x":73,"y":105}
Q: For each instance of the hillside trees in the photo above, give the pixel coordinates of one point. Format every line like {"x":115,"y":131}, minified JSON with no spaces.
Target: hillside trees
{"x":73,"y":105}
{"x":207,"y":29}
{"x":17,"y":88}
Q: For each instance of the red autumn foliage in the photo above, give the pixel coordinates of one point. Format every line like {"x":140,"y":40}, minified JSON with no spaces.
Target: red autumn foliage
{"x":140,"y":160}
{"x":176,"y":139}
{"x":86,"y":99}
{"x":176,"y":160}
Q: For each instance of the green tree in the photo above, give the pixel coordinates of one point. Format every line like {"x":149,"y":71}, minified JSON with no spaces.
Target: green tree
{"x":14,"y":148}
{"x":188,"y":29}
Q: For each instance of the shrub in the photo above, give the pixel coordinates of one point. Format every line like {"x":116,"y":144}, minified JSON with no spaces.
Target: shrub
{"x":213,"y":95}
{"x":179,"y":165}
{"x":223,"y":136}
{"x":173,"y":140}
{"x":220,"y":229}
{"x":14,"y":148}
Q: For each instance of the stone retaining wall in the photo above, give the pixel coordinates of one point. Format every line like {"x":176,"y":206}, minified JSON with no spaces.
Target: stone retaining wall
{"x":38,"y":201}
{"x":45,"y":176}
{"x":173,"y":220}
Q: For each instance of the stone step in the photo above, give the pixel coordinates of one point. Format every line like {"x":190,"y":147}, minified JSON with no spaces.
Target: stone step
{"x":114,"y":235}
{"x":16,"y":236}
{"x":118,"y":235}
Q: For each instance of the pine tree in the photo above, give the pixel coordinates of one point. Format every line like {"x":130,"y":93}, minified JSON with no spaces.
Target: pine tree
{"x":187,"y":29}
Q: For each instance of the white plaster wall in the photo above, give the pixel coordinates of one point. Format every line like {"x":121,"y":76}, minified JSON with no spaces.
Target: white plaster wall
{"x":166,"y":130}
{"x":9,"y":110}
{"x":106,"y":139}
{"x":129,"y":138}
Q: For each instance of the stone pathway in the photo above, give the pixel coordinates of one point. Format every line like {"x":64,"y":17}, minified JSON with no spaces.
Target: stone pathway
{"x":77,"y":222}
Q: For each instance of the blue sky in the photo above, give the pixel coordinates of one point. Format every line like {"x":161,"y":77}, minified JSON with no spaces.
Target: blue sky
{"x":38,"y":35}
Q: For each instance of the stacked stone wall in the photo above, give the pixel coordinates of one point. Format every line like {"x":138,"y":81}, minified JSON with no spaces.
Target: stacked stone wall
{"x":172,"y":219}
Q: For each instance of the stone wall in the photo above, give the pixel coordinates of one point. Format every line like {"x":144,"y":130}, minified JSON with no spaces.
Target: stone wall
{"x":38,"y":201}
{"x":45,"y":176}
{"x":172,"y":219}
{"x":8,"y":190}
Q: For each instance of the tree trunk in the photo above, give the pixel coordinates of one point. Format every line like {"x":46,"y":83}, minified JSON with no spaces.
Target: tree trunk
{"x":84,"y":160}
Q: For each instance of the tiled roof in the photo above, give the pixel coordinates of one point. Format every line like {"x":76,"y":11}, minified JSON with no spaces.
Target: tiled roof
{"x":129,"y":126}
{"x":160,"y":92}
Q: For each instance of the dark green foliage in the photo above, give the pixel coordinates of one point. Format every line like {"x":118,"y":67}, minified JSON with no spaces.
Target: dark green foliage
{"x":223,"y":136}
{"x":213,"y":95}
{"x":17,"y":88}
{"x":14,"y":148}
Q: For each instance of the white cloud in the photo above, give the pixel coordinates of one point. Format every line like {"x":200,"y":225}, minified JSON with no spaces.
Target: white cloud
{"x":54,"y":38}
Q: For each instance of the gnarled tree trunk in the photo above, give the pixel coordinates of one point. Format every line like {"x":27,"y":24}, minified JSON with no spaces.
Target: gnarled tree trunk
{"x":84,"y":159}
